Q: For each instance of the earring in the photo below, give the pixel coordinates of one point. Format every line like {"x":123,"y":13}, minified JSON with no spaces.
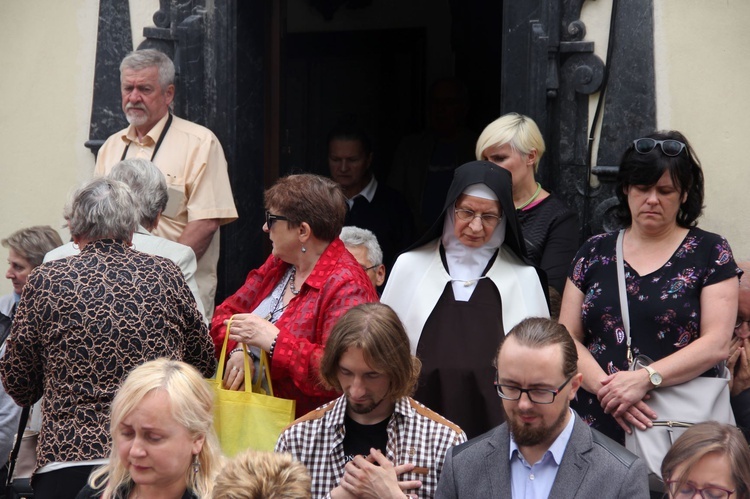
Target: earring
{"x":304,"y":250}
{"x":196,"y":465}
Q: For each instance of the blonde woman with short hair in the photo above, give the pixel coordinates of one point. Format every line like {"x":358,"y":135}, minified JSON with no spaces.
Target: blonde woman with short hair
{"x":163,"y":442}
{"x":550,"y":228}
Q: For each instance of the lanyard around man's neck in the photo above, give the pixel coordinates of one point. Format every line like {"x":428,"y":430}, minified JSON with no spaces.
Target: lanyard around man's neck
{"x":158,"y":142}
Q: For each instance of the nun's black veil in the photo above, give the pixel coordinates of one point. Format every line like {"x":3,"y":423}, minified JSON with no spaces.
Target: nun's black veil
{"x":500,"y":182}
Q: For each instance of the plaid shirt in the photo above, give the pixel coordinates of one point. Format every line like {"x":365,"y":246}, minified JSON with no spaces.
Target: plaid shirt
{"x":415,"y":435}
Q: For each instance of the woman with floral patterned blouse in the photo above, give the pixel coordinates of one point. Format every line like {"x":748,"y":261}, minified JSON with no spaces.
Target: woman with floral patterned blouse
{"x":84,"y":322}
{"x":682,"y":285}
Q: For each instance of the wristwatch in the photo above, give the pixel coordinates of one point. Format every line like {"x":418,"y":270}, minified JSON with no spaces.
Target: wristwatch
{"x":653,"y":376}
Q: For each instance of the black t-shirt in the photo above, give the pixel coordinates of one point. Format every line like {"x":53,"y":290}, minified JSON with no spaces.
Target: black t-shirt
{"x":550,"y":230}
{"x":360,"y":438}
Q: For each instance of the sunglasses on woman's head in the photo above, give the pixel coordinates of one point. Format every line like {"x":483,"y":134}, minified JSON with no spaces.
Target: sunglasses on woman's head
{"x":669,"y":147}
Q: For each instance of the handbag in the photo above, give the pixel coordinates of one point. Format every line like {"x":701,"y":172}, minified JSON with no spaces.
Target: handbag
{"x":678,"y":407}
{"x":249,"y":419}
{"x":22,"y":460}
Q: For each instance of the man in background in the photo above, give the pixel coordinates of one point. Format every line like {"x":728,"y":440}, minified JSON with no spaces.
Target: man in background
{"x":739,"y":355}
{"x":363,"y":244}
{"x":372,"y":205}
{"x":189,"y":155}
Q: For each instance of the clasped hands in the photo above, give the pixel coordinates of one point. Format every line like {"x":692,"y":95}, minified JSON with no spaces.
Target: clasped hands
{"x":623,"y":395}
{"x":738,"y":365}
{"x":374,"y":477}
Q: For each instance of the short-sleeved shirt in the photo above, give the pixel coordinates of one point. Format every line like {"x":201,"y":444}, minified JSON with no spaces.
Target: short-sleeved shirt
{"x":193,"y":162}
{"x":664,"y":306}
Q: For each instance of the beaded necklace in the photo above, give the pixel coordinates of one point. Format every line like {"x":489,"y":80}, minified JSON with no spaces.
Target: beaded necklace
{"x":532,"y":198}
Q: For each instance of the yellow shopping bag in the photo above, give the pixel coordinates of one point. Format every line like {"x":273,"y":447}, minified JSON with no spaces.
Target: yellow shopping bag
{"x":249,"y":420}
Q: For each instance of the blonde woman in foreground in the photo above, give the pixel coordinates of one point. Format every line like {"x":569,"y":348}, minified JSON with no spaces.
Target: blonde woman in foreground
{"x":163,"y":442}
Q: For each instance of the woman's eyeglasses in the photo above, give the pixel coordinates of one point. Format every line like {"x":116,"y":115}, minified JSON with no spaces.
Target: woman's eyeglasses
{"x":687,"y":491}
{"x":669,"y":147}
{"x":270,"y":219}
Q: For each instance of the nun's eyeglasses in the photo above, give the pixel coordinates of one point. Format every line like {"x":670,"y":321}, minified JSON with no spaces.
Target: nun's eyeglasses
{"x":488,"y":219}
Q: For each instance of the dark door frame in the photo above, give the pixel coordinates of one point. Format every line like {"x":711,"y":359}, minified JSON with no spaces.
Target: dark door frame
{"x":555,"y":71}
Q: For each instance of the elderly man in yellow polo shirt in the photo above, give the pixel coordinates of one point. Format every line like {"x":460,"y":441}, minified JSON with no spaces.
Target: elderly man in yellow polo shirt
{"x":189,"y":155}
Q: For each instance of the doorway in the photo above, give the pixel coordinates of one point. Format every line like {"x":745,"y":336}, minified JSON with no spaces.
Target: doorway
{"x":298,"y":73}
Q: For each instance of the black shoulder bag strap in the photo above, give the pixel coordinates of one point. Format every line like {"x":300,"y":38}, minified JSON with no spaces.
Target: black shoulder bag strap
{"x":17,"y":446}
{"x":5,"y":323}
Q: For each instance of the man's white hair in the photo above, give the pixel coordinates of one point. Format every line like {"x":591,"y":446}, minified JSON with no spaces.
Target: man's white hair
{"x":355,"y":236}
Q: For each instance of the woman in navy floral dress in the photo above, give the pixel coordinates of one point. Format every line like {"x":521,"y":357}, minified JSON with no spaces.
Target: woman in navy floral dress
{"x":682,"y":285}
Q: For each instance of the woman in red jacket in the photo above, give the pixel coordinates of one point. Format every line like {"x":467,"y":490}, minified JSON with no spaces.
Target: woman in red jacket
{"x":289,"y":305}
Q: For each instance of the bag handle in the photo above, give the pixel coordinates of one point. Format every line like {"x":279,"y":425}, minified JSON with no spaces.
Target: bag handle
{"x":17,"y":446}
{"x":223,"y":356}
{"x":621,"y":284}
{"x":265,"y":369}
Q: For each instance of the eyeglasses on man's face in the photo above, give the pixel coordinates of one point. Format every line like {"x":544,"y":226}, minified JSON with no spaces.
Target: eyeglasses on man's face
{"x":270,"y":219}
{"x":687,"y":491}
{"x":669,"y":147}
{"x":488,"y":219}
{"x":740,"y":322}
{"x":536,"y":395}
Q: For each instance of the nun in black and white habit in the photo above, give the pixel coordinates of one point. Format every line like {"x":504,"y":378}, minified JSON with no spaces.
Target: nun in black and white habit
{"x":460,"y":289}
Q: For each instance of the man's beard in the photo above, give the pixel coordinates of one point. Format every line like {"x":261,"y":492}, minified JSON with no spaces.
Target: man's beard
{"x":136,"y":119}
{"x":527,"y":436}
{"x":363,"y":409}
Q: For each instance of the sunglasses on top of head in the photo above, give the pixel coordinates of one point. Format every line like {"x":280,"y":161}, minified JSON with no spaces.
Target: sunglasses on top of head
{"x":669,"y":147}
